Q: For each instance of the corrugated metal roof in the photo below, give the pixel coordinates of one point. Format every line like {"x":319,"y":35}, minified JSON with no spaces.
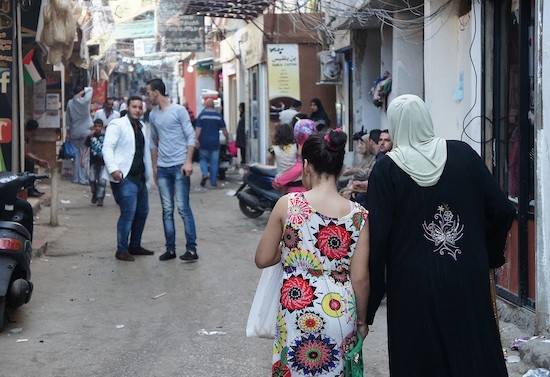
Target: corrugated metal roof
{"x":242,"y":9}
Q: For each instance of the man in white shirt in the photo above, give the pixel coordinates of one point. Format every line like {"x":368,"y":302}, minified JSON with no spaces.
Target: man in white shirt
{"x":107,"y":114}
{"x":285,"y":116}
{"x":129,"y":168}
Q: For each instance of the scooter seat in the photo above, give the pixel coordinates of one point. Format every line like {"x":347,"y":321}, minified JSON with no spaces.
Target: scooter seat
{"x":265,"y":170}
{"x":16,"y":227}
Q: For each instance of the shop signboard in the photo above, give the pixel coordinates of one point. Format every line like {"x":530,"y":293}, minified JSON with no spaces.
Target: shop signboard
{"x":135,"y":29}
{"x":144,"y":47}
{"x":6,"y":83}
{"x":283,"y":76}
{"x":125,"y":10}
{"x":179,"y":32}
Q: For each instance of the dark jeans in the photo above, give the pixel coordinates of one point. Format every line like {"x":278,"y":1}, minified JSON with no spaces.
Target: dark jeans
{"x":133,"y":201}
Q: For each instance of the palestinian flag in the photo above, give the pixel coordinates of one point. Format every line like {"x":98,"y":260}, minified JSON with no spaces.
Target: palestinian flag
{"x":32,"y":70}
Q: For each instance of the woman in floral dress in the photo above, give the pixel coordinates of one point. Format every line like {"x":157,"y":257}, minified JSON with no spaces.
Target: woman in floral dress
{"x":315,"y":235}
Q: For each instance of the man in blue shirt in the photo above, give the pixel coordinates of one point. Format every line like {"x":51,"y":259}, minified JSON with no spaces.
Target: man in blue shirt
{"x":172,"y":146}
{"x":208,"y":126}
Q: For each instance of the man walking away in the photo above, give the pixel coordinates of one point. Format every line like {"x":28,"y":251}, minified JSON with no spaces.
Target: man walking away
{"x":172,"y":146}
{"x":79,"y":124}
{"x":208,"y":126}
{"x":128,"y":162}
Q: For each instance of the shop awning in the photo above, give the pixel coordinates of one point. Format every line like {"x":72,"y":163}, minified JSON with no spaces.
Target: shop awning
{"x":242,"y":9}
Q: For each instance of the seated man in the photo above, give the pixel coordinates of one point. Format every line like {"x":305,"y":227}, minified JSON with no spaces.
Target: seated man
{"x":360,"y":187}
{"x":31,"y":158}
{"x":385,"y":144}
{"x":368,"y":147}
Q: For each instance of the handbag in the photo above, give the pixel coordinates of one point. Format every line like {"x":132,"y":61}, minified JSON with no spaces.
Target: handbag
{"x":67,"y":151}
{"x":262,"y":319}
{"x":353,"y":360}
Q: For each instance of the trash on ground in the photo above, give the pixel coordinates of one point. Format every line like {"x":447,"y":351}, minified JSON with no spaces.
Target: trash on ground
{"x":512,"y":359}
{"x":16,"y":330}
{"x":204,"y":332}
{"x":230,"y":192}
{"x":518,"y":342}
{"x":65,"y":201}
{"x":159,"y":295}
{"x":119,"y":326}
{"x":22,"y":340}
{"x":539,"y":372}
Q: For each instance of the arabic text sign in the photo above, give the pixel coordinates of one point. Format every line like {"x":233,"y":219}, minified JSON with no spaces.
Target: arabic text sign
{"x":180,"y":33}
{"x":135,"y":29}
{"x":283,"y":70}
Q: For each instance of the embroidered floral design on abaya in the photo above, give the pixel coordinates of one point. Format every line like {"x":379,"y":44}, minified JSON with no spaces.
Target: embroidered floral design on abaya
{"x":445,"y":231}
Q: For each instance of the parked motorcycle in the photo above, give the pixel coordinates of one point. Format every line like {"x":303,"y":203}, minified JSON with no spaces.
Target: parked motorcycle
{"x":256,"y":195}
{"x":16,"y":229}
{"x":224,"y":161}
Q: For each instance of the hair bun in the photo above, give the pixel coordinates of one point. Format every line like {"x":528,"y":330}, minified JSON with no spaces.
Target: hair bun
{"x":336,"y":139}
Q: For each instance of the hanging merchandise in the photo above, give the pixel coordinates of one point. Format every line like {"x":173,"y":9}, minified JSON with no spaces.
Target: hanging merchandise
{"x":381,"y":88}
{"x":57,"y":29}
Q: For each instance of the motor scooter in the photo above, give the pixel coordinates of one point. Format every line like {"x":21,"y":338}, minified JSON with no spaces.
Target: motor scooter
{"x":224,"y":161}
{"x":16,"y":229}
{"x":256,"y":195}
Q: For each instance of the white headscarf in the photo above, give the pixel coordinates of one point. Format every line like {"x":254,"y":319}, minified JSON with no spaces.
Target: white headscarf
{"x":415,"y":148}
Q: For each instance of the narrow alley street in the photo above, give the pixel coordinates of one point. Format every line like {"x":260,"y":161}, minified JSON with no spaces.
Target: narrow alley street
{"x":91,"y":315}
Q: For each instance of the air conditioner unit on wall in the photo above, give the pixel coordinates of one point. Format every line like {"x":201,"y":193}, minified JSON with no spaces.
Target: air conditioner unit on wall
{"x":330,"y":68}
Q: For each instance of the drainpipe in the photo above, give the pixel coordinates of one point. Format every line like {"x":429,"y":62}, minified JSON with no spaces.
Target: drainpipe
{"x":524,"y":90}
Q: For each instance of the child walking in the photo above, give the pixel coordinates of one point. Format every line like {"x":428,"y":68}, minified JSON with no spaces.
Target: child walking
{"x":92,"y":148}
{"x":284,"y":152}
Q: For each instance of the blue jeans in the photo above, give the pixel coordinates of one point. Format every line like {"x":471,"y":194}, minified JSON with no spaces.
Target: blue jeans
{"x":97,"y":184}
{"x":133,"y":202}
{"x":209,"y":159}
{"x":171,"y":181}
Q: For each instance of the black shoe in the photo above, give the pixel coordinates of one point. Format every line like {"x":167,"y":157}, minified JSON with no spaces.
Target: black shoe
{"x":168,"y":255}
{"x":203,"y":181}
{"x":100,"y":202}
{"x":124,"y":256}
{"x":189,"y":256}
{"x":34,"y":193}
{"x":140,"y":251}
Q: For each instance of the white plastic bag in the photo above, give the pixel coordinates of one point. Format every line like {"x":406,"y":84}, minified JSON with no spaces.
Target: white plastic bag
{"x":262,"y":319}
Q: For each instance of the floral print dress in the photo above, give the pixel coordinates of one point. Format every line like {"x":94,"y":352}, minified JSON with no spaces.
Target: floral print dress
{"x":316,"y":322}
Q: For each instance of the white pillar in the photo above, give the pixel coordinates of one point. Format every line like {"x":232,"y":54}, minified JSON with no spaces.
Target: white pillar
{"x":542,"y":174}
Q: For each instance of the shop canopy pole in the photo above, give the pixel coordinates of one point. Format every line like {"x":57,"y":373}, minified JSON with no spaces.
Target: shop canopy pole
{"x":20,"y":90}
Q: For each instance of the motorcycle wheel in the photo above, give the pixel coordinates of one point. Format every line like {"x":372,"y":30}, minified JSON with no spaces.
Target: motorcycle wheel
{"x":249,"y":211}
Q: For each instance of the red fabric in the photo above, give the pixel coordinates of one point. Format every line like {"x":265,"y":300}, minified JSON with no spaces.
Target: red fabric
{"x":289,"y":176}
{"x":100,"y":92}
{"x":232,"y":147}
